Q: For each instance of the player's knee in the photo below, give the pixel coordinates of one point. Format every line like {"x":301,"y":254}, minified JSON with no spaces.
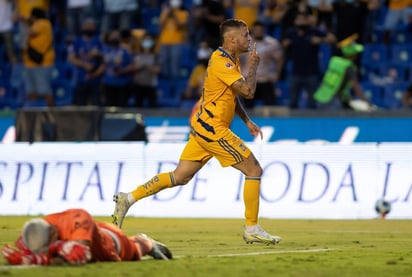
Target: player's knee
{"x":181,"y":180}
{"x":257,"y":171}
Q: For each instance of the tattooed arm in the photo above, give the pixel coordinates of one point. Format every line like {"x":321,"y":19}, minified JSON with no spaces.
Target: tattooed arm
{"x":246,"y":87}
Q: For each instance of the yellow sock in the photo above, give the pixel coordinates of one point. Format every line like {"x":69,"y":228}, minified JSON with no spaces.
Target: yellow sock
{"x":154,"y":185}
{"x":251,"y":195}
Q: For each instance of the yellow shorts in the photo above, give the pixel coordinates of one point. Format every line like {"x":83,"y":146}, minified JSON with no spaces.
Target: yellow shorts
{"x":228,"y":150}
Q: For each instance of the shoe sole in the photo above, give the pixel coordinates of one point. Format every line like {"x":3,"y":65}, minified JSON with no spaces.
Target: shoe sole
{"x":251,"y":240}
{"x":115,"y":218}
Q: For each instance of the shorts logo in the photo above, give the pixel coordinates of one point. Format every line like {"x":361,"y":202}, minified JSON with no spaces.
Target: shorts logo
{"x":229,"y":65}
{"x":243,"y":147}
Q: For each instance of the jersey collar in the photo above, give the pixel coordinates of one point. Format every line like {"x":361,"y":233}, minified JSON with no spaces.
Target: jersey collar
{"x":226,"y":54}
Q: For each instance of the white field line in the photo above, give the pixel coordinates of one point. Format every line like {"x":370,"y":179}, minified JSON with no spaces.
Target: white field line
{"x":264,"y":253}
{"x":211,"y":256}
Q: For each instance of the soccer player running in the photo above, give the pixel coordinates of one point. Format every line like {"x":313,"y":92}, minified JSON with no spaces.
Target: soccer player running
{"x":211,"y":135}
{"x":74,"y":237}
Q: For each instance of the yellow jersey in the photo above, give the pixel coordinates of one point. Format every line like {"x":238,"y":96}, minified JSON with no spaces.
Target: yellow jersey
{"x":170,"y":33}
{"x":24,"y":7}
{"x":218,"y":101}
{"x":42,"y":42}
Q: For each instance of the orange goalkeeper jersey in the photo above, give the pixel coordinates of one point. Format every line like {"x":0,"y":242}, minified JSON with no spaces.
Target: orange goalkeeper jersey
{"x":107,"y":242}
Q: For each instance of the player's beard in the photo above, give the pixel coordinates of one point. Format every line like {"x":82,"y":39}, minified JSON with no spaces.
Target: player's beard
{"x":248,"y":48}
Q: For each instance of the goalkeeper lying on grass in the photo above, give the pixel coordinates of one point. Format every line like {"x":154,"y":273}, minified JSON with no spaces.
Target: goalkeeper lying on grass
{"x":73,"y":237}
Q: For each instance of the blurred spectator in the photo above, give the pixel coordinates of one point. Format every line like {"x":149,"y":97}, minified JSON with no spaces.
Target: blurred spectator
{"x":409,"y":27}
{"x":296,"y":7}
{"x":120,"y":15}
{"x":85,"y":54}
{"x":117,"y":77}
{"x":22,"y":14}
{"x":350,"y":18}
{"x":194,"y":86}
{"x":127,"y":40}
{"x":247,"y":10}
{"x":6,"y":29}
{"x":273,"y":13}
{"x":146,"y":70}
{"x":407,"y":97}
{"x":77,"y":12}
{"x":38,"y":58}
{"x":173,"y":34}
{"x":341,"y":78}
{"x":399,"y":12}
{"x":324,"y":10}
{"x":270,"y":65}
{"x":196,"y":28}
{"x":372,"y":19}
{"x":378,"y":80}
{"x":214,"y":14}
{"x":302,"y":45}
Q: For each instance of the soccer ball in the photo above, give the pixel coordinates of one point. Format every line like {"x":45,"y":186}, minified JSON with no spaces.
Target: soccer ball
{"x":383,"y":207}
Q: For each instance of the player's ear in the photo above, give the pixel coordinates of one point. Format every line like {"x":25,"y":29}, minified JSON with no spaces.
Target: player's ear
{"x":54,"y":233}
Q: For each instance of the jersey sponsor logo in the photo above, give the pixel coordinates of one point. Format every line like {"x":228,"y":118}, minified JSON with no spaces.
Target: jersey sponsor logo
{"x":229,"y":65}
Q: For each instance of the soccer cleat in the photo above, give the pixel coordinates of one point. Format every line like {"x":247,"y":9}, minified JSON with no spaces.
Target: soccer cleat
{"x":260,"y":236}
{"x":121,"y":208}
{"x":159,"y":251}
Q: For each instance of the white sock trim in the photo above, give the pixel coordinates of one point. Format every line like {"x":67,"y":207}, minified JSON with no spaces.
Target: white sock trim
{"x":130,"y":198}
{"x":252,"y":228}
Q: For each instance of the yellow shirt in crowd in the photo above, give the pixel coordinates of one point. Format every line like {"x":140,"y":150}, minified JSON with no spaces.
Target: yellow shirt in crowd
{"x":247,"y":10}
{"x":24,"y":7}
{"x":170,"y":33}
{"x":399,"y":4}
{"x":42,"y":42}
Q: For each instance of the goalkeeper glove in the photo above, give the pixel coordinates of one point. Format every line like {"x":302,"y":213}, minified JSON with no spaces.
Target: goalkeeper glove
{"x":73,"y":252}
{"x":15,"y":256}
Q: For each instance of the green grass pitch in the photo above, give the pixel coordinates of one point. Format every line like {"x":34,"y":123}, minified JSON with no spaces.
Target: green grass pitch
{"x":214,"y":247}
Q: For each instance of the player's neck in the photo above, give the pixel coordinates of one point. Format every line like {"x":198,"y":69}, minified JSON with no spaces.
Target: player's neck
{"x":230,"y":51}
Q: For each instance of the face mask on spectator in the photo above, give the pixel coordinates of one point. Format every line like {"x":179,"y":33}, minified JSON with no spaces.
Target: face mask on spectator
{"x":203,"y":53}
{"x":175,"y":3}
{"x":147,"y":43}
{"x":114,"y":42}
{"x":88,"y":33}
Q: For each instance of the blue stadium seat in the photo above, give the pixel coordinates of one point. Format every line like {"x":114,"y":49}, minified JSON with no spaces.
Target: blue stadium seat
{"x":401,"y":54}
{"x":188,"y":60}
{"x":2,"y":54}
{"x":63,"y":93}
{"x":391,"y":68}
{"x":151,"y":20}
{"x":187,"y":104}
{"x":63,"y":71}
{"x":392,"y":95}
{"x":61,"y":52}
{"x":167,"y":95}
{"x":373,"y":92}
{"x":409,"y":76}
{"x":282,"y":94}
{"x":4,"y":94}
{"x":325,"y":52}
{"x":5,"y":71}
{"x":374,"y":54}
{"x":400,"y":36}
